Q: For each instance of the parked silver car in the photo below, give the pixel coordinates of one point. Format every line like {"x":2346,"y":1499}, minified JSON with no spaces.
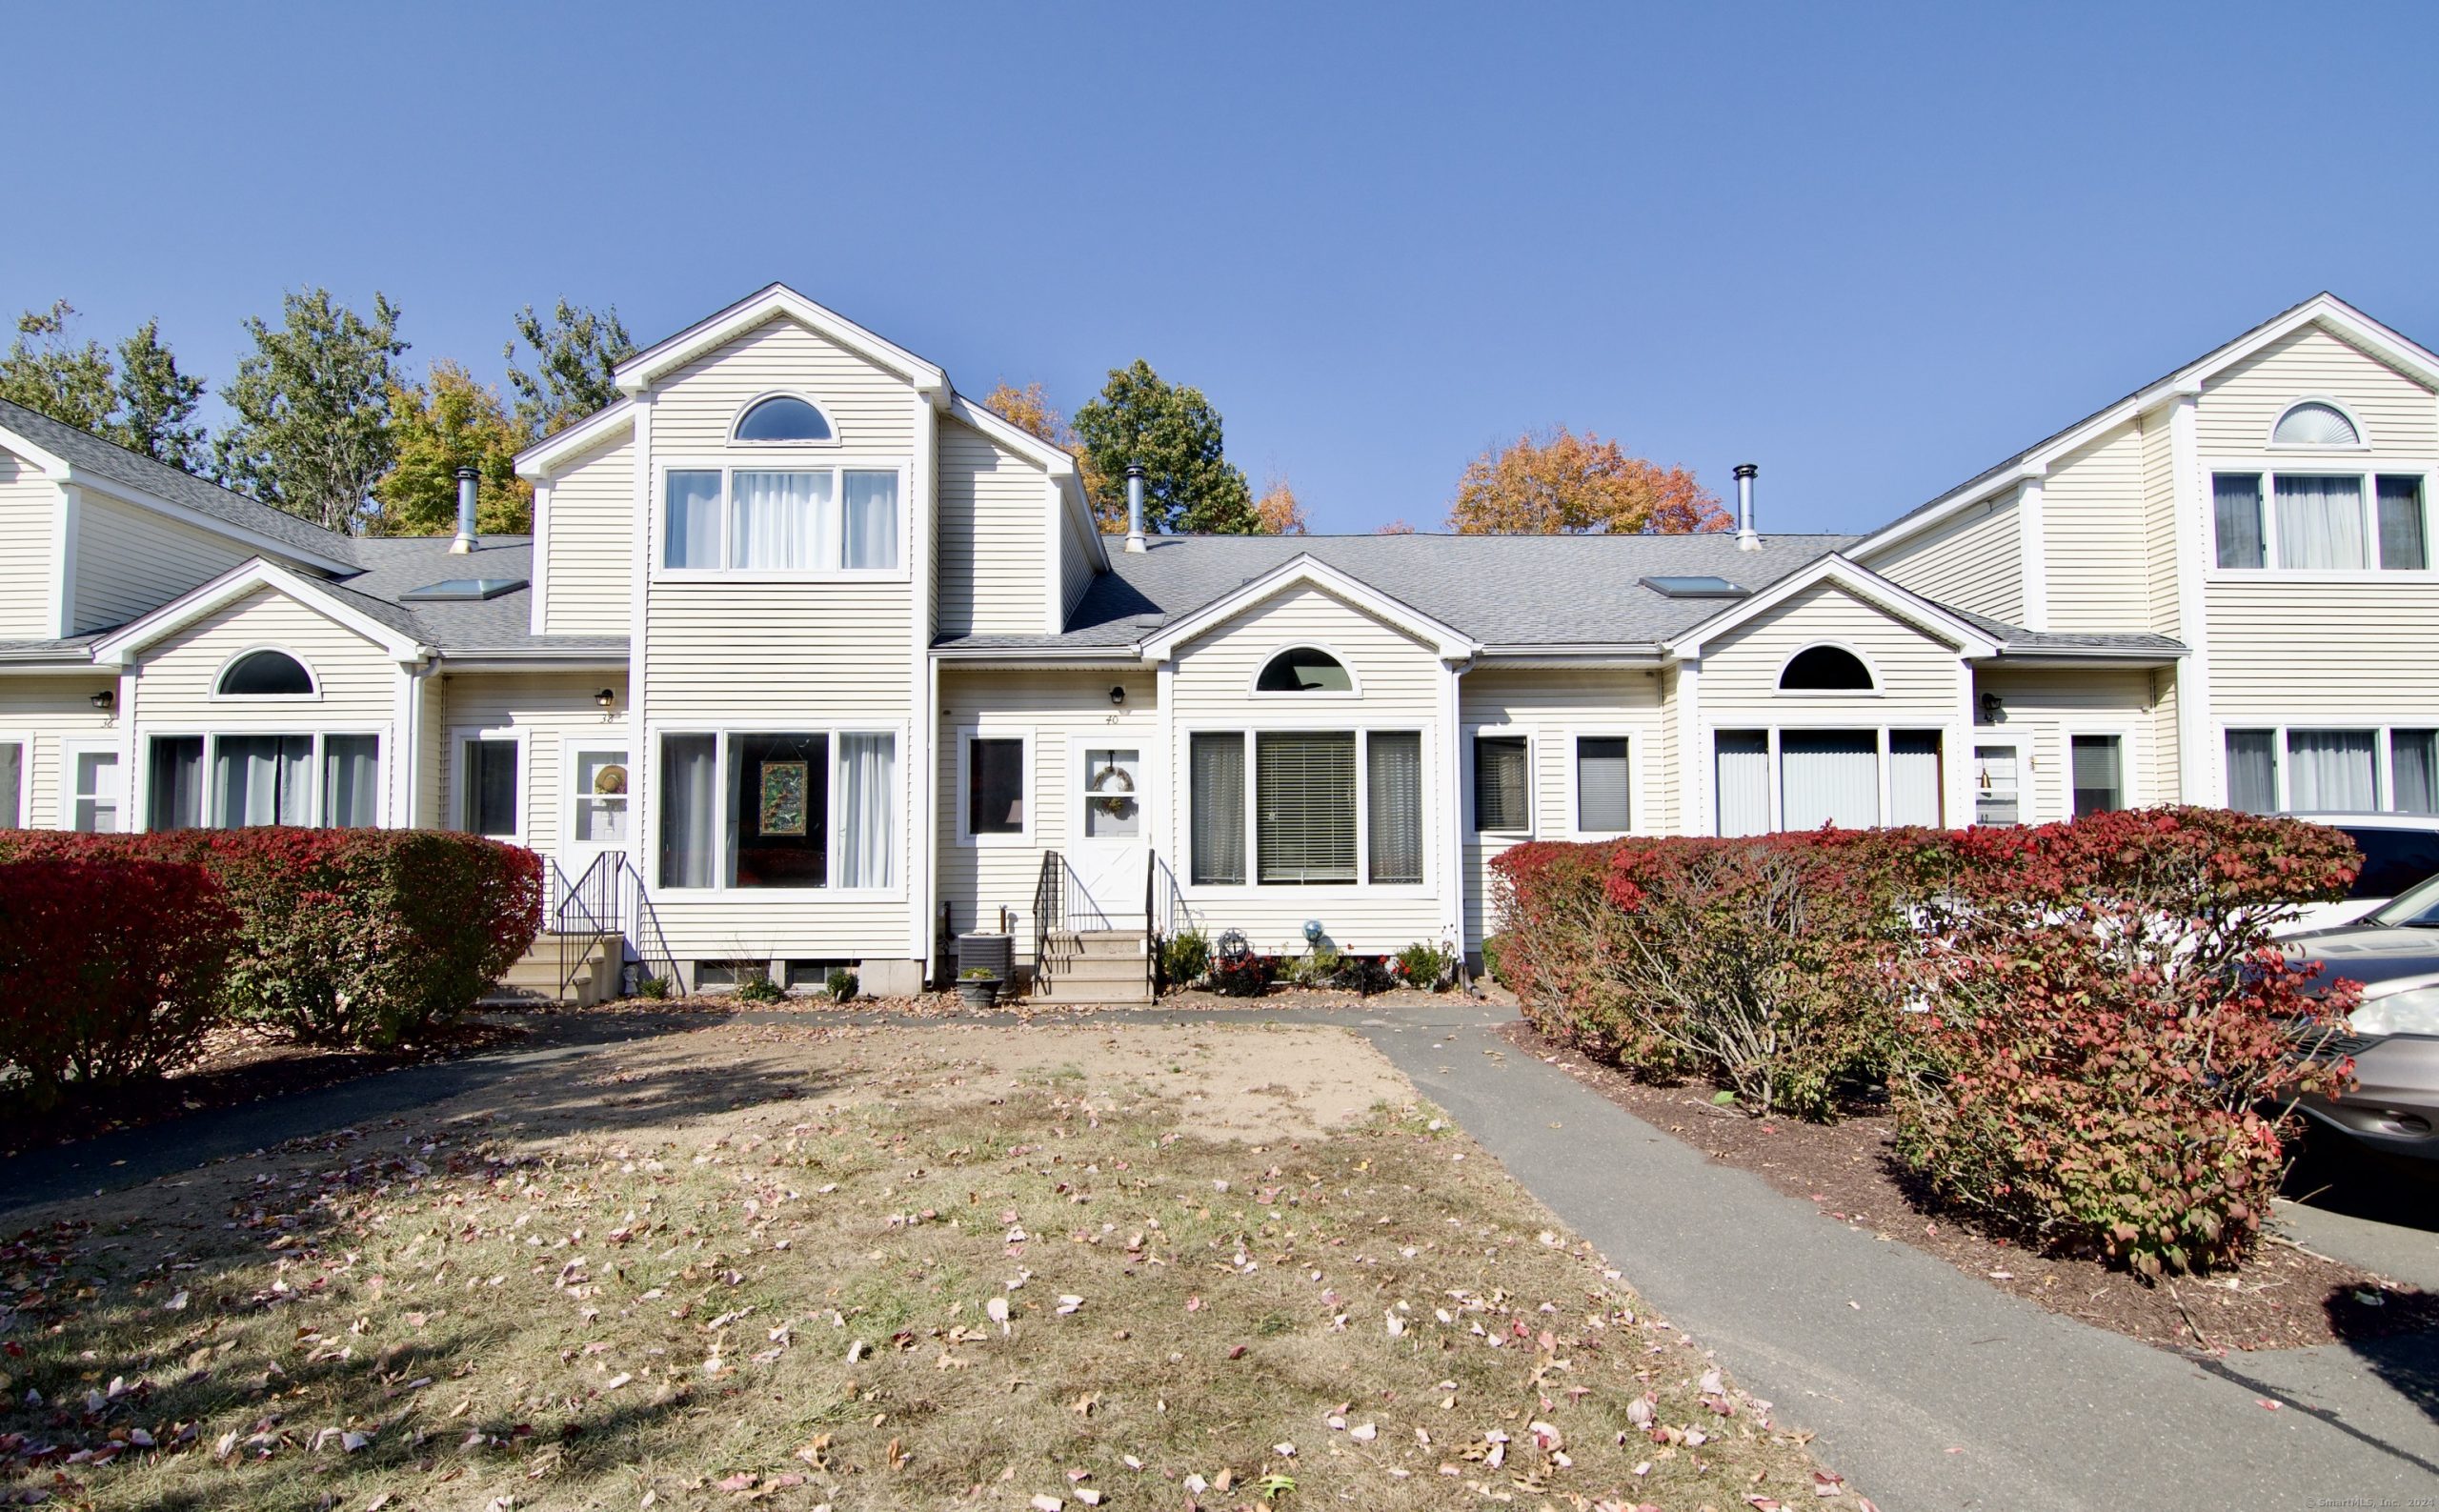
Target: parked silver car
{"x":2393,"y":1035}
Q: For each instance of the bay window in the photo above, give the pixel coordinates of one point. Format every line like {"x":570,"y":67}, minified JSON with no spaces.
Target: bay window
{"x":2291,"y":770}
{"x":1324,"y":807}
{"x":751,"y":809}
{"x":2319,"y":521}
{"x":767,"y":519}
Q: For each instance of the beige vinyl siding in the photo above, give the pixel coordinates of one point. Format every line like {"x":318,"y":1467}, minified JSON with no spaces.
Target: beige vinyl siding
{"x":1551,"y":708}
{"x":2160,"y":522}
{"x":1667,"y":773}
{"x":589,"y":561}
{"x":29,"y":523}
{"x":2300,"y":647}
{"x":430,"y":768}
{"x":995,"y":515}
{"x":130,"y":561}
{"x":2096,"y":537}
{"x":547,"y":709}
{"x":1054,"y":711}
{"x":1975,"y":561}
{"x":1919,"y":678}
{"x":2043,"y":709}
{"x":1078,"y":565}
{"x":2237,"y":408}
{"x":41,"y":711}
{"x":695,"y":407}
{"x":353,"y":677}
{"x":1400,"y":679}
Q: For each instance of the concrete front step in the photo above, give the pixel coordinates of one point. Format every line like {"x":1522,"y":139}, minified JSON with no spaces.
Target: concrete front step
{"x":535,"y":976}
{"x":1094,"y":966}
{"x":1121,"y":943}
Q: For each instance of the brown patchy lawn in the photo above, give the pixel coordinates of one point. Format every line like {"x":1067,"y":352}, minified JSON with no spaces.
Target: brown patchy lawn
{"x":804,"y":1264}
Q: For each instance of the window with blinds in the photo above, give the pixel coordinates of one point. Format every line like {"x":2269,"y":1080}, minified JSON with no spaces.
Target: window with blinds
{"x":1502,"y":784}
{"x":2098,"y":773}
{"x":1601,"y":800}
{"x":1305,"y":829}
{"x":1394,"y":805}
{"x":1217,"y":823}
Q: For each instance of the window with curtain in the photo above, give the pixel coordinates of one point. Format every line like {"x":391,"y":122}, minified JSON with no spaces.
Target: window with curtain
{"x":1601,"y":801}
{"x":2098,"y":773}
{"x":1741,"y":782}
{"x":489,"y":805}
{"x":12,"y":785}
{"x":867,"y":787}
{"x":1916,"y":780}
{"x":774,"y":520}
{"x":2413,"y":770}
{"x":350,"y":781}
{"x":781,"y":520}
{"x":268,"y":779}
{"x":2320,"y":523}
{"x":1217,"y":799}
{"x":870,"y":536}
{"x":1393,"y":805}
{"x":689,"y":809}
{"x":995,"y":785}
{"x":777,"y":833}
{"x":2333,"y":771}
{"x":2252,"y":771}
{"x":173,"y":783}
{"x":1502,"y":784}
{"x":691,"y":531}
{"x":1305,"y":806}
{"x":2236,"y":511}
{"x":1828,"y":776}
{"x":2403,"y":547}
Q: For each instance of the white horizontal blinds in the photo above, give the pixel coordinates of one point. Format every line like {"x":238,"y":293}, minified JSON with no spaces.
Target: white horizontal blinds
{"x":350,"y":781}
{"x":1828,"y":776}
{"x":1914,"y":777}
{"x":1502,"y":784}
{"x":1304,"y":799}
{"x":2402,"y":545}
{"x":689,"y":809}
{"x":1998,"y":794}
{"x":994,"y":778}
{"x":2413,"y":770}
{"x":2236,"y":506}
{"x":173,"y":800}
{"x":2331,"y":771}
{"x":867,"y":835}
{"x":2320,"y":523}
{"x":12,"y":785}
{"x":1743,"y":782}
{"x":2252,"y":771}
{"x":691,"y":530}
{"x":2098,"y":773}
{"x":1393,"y":804}
{"x":870,"y":530}
{"x":1219,"y":801}
{"x":1601,"y":801}
{"x":266,"y":779}
{"x":775,"y":520}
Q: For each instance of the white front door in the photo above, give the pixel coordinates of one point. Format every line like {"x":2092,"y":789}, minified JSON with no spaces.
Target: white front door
{"x":594,"y":774}
{"x":1109,"y":805}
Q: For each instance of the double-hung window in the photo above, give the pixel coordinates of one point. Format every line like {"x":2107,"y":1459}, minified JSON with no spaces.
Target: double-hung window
{"x":1602,"y":802}
{"x":774,"y":519}
{"x":1327,"y":807}
{"x":780,"y":810}
{"x":2320,"y":522}
{"x":1502,"y":784}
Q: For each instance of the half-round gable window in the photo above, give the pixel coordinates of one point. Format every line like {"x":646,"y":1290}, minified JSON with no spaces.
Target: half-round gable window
{"x":1825,"y":669}
{"x":783,"y":417}
{"x":2312,"y":423}
{"x":1304,"y":669}
{"x":266,"y":673}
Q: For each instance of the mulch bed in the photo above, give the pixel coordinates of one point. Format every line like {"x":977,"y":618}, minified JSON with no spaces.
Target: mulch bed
{"x":2284,"y":1298}
{"x":238,"y":1066}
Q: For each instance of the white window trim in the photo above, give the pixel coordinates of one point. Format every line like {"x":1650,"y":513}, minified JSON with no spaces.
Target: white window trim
{"x":23,"y":741}
{"x":834,"y":535}
{"x":2380,"y":727}
{"x":2270,"y":441}
{"x":721,"y":734}
{"x":2367,"y":475}
{"x":573,"y":746}
{"x":818,"y":408}
{"x":1881,"y":733}
{"x":1355,"y":683}
{"x":313,"y":694}
{"x":71,"y":747}
{"x":1252,"y":886}
{"x":2129,"y":763}
{"x":458,"y":736}
{"x":1015,"y":839}
{"x":1532,"y":782}
{"x":139,"y":778}
{"x":1636,"y":790}
{"x":1871,"y":670}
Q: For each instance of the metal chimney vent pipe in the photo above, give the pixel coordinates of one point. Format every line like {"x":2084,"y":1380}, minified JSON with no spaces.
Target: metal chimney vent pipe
{"x":1134,"y":507}
{"x":1747,"y":540}
{"x":465,"y":541}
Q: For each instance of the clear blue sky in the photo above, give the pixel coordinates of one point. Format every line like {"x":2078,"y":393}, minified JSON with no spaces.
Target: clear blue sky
{"x":1871,"y":249}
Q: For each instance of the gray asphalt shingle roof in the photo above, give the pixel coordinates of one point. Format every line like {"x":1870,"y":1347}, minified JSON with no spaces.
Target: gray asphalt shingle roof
{"x":396,"y":564}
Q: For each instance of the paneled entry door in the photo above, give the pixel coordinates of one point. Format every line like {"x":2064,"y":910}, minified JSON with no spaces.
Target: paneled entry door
{"x":1109,"y":807}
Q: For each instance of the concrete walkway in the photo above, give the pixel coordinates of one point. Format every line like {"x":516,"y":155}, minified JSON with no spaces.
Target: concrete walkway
{"x":1929,"y":1390}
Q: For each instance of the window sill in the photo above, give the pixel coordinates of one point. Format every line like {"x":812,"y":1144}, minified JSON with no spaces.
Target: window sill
{"x":703,"y":895}
{"x":2400,"y":576}
{"x":748,"y":575}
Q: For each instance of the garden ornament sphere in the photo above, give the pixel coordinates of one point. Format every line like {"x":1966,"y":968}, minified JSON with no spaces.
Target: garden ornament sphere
{"x":1312,"y":932}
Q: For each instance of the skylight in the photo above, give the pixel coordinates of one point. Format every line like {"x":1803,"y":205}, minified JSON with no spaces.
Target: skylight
{"x":1695,"y":586}
{"x":461,"y":590}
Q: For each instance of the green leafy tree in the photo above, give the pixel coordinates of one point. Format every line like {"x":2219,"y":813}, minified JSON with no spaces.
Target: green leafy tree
{"x":1189,"y":484}
{"x":574,"y":357}
{"x":312,"y":408}
{"x":157,"y":402}
{"x":139,"y":400}
{"x":437,"y":426}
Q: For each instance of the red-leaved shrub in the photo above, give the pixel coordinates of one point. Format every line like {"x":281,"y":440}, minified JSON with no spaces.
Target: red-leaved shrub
{"x":110,"y":971}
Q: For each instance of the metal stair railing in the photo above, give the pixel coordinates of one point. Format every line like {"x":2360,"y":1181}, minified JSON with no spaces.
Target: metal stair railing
{"x":1166,"y":913}
{"x":1062,"y":908}
{"x":582,"y":914}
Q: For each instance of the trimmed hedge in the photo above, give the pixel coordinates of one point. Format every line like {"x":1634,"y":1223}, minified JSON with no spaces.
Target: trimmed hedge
{"x":2080,"y":1023}
{"x":362,"y":936}
{"x":112,"y":969}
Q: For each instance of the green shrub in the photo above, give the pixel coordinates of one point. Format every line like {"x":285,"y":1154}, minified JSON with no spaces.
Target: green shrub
{"x":1493,"y":946}
{"x":753,"y":984}
{"x":1425,"y":967}
{"x":842,"y":984}
{"x":655,"y":988}
{"x":1242,"y":976}
{"x":1185,"y":958}
{"x":1319,"y":966}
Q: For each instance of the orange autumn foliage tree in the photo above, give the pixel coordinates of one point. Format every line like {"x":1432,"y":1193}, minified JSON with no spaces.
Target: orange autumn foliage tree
{"x":1558,"y":483}
{"x":1279,"y":509}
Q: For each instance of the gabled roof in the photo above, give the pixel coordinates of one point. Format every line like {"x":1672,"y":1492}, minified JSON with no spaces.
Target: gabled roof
{"x":1835,"y":571}
{"x":76,"y":455}
{"x":599,"y":429}
{"x":386,"y":625}
{"x":1307,"y":571}
{"x":2323,"y":309}
{"x":773,"y":301}
{"x":1056,"y":460}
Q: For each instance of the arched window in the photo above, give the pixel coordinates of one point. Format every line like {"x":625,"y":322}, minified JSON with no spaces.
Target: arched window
{"x":782,"y":417}
{"x":1304,"y":669}
{"x":1825,"y":669}
{"x":266,"y":673}
{"x":2312,"y":423}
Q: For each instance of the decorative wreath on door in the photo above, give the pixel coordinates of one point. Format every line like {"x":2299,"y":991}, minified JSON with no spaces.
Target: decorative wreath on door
{"x":1112,"y":791}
